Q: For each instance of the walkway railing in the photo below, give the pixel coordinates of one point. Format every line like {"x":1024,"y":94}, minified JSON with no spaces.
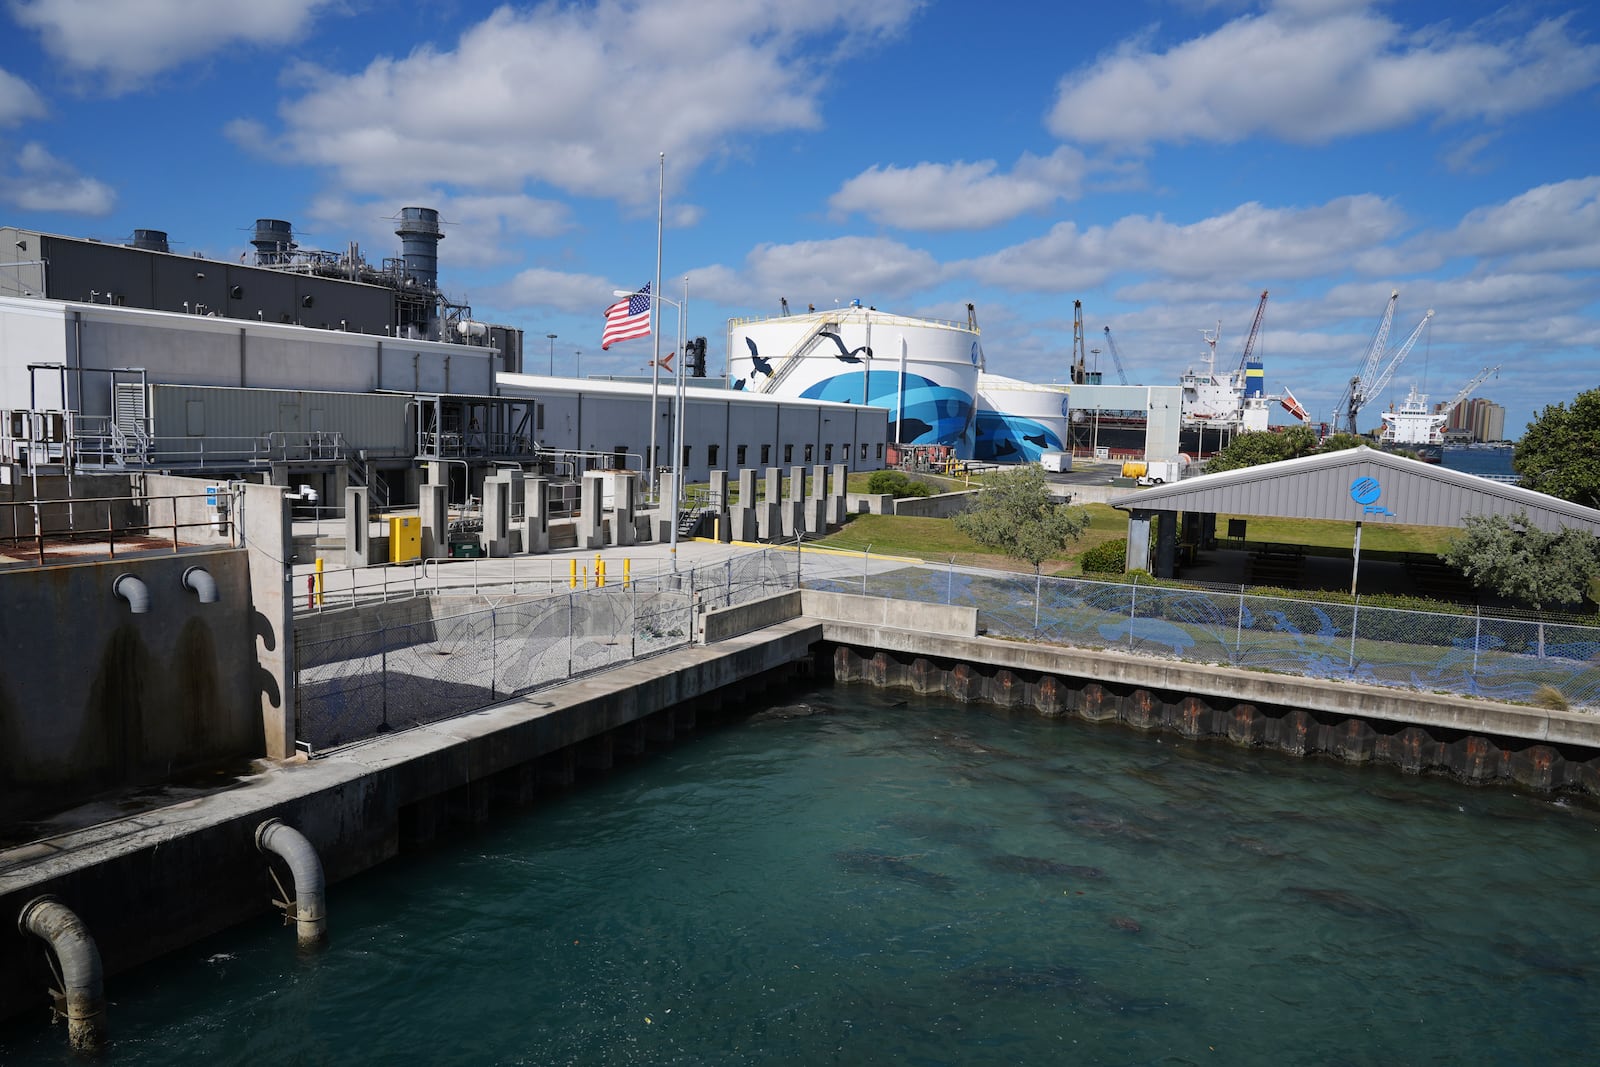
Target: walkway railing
{"x":1502,"y":658}
{"x":356,"y":686}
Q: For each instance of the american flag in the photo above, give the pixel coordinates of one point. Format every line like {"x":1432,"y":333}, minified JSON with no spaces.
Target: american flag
{"x":627,"y":318}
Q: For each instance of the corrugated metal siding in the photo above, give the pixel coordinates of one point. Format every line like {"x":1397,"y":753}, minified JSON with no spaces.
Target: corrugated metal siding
{"x":371,"y":421}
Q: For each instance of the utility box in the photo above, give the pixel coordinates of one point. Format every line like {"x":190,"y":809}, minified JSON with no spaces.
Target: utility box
{"x":405,"y":538}
{"x":1059,"y":462}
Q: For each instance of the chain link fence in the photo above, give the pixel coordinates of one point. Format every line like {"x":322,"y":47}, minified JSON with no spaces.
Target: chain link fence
{"x":1509,"y":659}
{"x":357,"y":686}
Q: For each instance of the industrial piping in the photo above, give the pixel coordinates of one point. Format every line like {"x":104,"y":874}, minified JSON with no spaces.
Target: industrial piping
{"x":310,"y":915}
{"x":82,"y":978}
{"x":200,"y":581}
{"x":134,"y":591}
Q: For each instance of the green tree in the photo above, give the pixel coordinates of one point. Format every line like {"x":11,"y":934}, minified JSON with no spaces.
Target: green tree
{"x":1016,"y":515}
{"x":1338,"y":442}
{"x":1253,"y":449}
{"x":1521,"y":562}
{"x":1559,"y":453}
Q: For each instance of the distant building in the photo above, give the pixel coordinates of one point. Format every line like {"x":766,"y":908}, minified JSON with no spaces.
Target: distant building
{"x":1477,"y":420}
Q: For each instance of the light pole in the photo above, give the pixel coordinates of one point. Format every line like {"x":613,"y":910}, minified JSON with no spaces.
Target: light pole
{"x":650,"y":462}
{"x":552,"y":353}
{"x":578,"y":360}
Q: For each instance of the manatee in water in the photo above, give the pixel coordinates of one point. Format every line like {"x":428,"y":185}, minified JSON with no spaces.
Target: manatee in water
{"x":1123,"y":922}
{"x":1343,"y":902}
{"x":871,"y":861}
{"x":940,"y":829}
{"x":1009,"y":863}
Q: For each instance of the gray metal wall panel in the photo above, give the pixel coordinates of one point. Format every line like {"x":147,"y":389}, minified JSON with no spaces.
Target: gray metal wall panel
{"x":374,"y":422}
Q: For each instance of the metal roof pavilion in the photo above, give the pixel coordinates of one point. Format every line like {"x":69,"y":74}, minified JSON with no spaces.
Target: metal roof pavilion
{"x":1360,"y":485}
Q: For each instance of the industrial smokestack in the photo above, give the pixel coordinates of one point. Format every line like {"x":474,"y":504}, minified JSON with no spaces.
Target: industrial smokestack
{"x":150,"y":240}
{"x":274,"y":240}
{"x":420,"y":237}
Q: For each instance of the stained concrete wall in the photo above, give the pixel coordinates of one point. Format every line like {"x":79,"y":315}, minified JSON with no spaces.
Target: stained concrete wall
{"x":940,"y":506}
{"x":94,"y":697}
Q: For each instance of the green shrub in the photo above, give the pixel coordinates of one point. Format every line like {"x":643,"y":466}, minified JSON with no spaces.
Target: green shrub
{"x":1108,"y":557}
{"x":895,"y":483}
{"x":883,"y":482}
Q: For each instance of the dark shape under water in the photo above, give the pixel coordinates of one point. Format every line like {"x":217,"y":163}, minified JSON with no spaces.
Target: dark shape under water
{"x":952,"y":830}
{"x":1343,"y":902}
{"x":1123,"y":922}
{"x":871,"y":861}
{"x":1061,"y":980}
{"x":1010,"y":863}
{"x":785,"y":712}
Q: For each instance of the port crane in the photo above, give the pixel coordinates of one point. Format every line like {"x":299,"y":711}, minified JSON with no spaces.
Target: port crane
{"x":1372,"y":382}
{"x":1116,"y":357}
{"x":1255,"y":331}
{"x":1080,"y":375}
{"x":1466,"y":390}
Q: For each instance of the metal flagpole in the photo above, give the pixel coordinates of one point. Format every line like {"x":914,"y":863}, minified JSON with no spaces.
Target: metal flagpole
{"x":655,"y":327}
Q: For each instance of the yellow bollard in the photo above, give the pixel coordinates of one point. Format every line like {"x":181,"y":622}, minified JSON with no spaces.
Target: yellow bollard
{"x":599,"y":571}
{"x":586,"y":576}
{"x":572,"y":582}
{"x":319,"y":581}
{"x":627,"y":572}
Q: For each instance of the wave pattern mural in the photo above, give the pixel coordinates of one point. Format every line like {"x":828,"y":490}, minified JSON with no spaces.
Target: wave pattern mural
{"x":932,"y":414}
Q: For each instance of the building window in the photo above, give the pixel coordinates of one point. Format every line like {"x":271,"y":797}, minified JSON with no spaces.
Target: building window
{"x":739,"y":457}
{"x":538,"y":417}
{"x":766,"y":455}
{"x":863,"y":450}
{"x":711,"y":455}
{"x":827,"y":453}
{"x":788,"y":453}
{"x":688,"y":450}
{"x":880,"y":449}
{"x":808,"y":452}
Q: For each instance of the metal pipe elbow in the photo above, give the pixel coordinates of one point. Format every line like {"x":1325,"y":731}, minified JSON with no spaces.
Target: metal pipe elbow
{"x":310,"y":908}
{"x":82,"y":977}
{"x":134,"y":591}
{"x":199,"y":580}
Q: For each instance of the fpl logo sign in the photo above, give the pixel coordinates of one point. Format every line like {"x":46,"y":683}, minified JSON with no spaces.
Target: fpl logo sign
{"x":1365,"y":491}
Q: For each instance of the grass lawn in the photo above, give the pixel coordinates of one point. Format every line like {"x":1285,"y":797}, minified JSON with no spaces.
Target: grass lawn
{"x":1326,"y":533}
{"x":938,"y":539}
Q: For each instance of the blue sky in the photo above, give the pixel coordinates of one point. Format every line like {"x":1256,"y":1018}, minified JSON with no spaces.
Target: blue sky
{"x":1163,"y":162}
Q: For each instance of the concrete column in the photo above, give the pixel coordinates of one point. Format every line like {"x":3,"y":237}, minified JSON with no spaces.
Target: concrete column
{"x":819,"y":482}
{"x":719,"y":494}
{"x":536,"y":528}
{"x":837,"y":508}
{"x":1138,"y":558}
{"x":591,"y":501}
{"x":1166,"y":544}
{"x":355,"y":528}
{"x":769,"y":519}
{"x":742,"y":519}
{"x":624,"y":531}
{"x":413,"y":484}
{"x":797,"y":484}
{"x":435,"y":516}
{"x":495,"y":537}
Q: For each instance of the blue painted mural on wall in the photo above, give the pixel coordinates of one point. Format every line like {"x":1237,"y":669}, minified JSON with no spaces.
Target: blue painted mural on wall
{"x":933,"y":414}
{"x":1012,"y":438}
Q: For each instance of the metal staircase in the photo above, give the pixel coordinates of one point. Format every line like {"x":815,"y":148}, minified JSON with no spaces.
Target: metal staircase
{"x":798,"y":351}
{"x":361,"y":478}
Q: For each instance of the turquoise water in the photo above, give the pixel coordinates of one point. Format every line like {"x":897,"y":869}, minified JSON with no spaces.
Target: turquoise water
{"x":1479,"y":461}
{"x":862,"y":878}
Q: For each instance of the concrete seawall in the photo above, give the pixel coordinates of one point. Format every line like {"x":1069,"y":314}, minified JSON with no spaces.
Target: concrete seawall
{"x":150,"y":884}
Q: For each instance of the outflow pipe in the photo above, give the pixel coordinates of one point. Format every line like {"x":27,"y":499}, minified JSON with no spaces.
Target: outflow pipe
{"x":308,"y":907}
{"x":82,"y":979}
{"x":134,"y":591}
{"x":199,"y":580}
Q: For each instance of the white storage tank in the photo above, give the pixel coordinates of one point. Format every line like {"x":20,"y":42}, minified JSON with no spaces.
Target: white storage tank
{"x":925,"y":371}
{"x":1018,"y":422}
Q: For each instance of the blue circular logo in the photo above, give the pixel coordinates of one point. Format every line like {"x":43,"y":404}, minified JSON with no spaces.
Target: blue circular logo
{"x":1365,"y":490}
{"x":1066,"y":407}
{"x":974,"y":353}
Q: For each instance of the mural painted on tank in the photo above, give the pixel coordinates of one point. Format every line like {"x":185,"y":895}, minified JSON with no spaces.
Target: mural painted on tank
{"x":933,"y":415}
{"x":1012,"y":439}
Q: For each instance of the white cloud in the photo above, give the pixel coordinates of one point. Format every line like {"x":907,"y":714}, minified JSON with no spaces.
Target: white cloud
{"x":129,"y":41}
{"x":581,"y":98}
{"x":555,"y":290}
{"x":1250,"y":241}
{"x":824,"y":273}
{"x":961,"y":195}
{"x":1313,"y":72}
{"x":18,"y":100}
{"x":1550,"y":227}
{"x":41,"y":182}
